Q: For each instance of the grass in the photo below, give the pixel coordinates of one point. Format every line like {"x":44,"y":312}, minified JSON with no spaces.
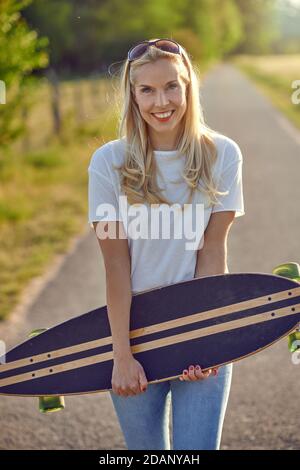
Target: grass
{"x":274,"y":75}
{"x":43,"y":202}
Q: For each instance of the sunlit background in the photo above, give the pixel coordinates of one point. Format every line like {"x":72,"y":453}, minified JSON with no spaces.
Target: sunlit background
{"x":59,"y":102}
{"x":58,"y":69}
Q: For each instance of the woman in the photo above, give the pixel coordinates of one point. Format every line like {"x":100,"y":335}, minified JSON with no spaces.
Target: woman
{"x":165,"y":154}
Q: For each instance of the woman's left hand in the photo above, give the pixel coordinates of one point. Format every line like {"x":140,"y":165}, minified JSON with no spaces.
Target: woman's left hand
{"x":195,"y":373}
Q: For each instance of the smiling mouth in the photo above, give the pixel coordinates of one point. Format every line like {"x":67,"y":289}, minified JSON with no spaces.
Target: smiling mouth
{"x":166,"y":118}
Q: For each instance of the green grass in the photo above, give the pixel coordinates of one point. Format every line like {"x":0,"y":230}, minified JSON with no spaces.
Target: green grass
{"x":43,"y":205}
{"x":274,"y":76}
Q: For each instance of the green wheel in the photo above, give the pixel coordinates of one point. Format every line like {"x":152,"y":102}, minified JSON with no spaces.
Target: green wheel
{"x":51,"y":403}
{"x":36,"y":332}
{"x":290,"y":270}
{"x":294,"y":341}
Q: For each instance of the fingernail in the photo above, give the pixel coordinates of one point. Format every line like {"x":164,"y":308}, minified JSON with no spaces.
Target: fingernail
{"x":197,"y":367}
{"x":185,"y":372}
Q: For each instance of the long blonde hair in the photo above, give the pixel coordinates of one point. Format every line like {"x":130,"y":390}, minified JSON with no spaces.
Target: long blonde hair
{"x":138,"y":173}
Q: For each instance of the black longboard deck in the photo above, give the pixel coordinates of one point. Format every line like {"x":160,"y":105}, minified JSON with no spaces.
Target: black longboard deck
{"x":209,"y":321}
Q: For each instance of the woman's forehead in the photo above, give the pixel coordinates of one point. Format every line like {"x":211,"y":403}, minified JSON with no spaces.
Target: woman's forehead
{"x":156,"y":73}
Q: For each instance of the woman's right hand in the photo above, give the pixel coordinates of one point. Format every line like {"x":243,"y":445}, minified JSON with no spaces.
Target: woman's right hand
{"x":128,"y":377}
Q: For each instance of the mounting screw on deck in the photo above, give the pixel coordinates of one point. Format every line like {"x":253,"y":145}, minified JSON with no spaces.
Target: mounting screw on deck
{"x":48,"y":404}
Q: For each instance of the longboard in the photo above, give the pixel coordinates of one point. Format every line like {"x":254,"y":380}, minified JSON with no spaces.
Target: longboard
{"x":210,"y":320}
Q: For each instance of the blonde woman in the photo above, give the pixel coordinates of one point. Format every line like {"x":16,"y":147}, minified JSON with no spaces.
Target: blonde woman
{"x":165,"y":154}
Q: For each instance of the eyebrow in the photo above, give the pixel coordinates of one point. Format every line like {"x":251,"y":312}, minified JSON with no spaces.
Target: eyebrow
{"x":171,"y":81}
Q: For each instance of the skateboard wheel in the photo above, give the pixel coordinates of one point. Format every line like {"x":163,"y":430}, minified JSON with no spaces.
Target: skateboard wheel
{"x":290,"y":270}
{"x":294,"y":341}
{"x":52,"y":403}
{"x":36,"y":332}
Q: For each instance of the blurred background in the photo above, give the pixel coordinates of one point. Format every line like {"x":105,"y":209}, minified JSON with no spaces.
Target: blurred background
{"x":59,"y":101}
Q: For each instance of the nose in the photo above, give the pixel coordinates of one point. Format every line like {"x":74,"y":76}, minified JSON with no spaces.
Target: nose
{"x":161,"y":99}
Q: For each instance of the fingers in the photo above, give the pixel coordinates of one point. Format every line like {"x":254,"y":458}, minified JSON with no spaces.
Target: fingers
{"x":128,"y":391}
{"x":143,"y":381}
{"x":196,"y":373}
{"x":136,"y":389}
{"x":143,"y":386}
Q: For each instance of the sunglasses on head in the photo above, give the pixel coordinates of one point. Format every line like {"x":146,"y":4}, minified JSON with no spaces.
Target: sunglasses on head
{"x":139,"y":49}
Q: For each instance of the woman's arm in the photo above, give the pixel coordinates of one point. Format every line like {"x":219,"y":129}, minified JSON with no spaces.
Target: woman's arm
{"x":212,"y":258}
{"x":116,"y":257}
{"x":128,"y":375}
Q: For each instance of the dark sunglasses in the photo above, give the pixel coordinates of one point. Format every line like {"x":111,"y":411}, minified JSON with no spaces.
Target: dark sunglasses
{"x":164,"y":44}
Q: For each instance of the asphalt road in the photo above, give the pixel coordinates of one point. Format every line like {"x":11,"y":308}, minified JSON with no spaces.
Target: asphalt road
{"x":263,"y":409}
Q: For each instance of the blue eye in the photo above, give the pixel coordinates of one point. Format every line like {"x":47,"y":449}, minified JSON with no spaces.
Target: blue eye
{"x":172,"y":85}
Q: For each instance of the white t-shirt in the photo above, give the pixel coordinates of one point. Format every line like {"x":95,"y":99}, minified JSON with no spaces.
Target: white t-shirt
{"x":162,"y":261}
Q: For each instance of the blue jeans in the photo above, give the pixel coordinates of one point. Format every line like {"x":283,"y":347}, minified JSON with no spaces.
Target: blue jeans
{"x":198,"y":411}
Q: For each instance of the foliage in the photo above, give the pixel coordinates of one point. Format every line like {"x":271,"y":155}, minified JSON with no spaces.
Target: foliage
{"x":21,"y":53}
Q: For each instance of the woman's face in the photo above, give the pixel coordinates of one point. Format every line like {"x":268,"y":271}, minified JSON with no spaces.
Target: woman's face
{"x":159,"y":89}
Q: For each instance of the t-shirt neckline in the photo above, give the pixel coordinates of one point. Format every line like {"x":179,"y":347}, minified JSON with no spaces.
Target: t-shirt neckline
{"x":165,"y":154}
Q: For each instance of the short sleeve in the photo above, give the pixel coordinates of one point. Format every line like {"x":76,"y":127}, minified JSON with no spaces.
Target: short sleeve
{"x":102,"y":200}
{"x":231,"y":181}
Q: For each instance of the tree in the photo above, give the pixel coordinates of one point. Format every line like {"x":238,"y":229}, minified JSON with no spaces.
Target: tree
{"x":259,"y":26}
{"x":21,"y":53}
